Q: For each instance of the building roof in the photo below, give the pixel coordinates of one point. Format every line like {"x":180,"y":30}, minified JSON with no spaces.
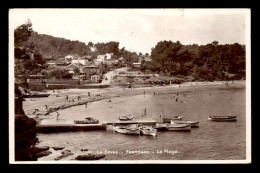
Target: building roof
{"x":101,"y":56}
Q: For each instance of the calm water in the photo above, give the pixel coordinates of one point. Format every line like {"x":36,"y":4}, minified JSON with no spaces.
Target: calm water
{"x":211,"y":141}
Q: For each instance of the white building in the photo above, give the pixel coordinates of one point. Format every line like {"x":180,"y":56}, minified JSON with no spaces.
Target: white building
{"x":71,"y":57}
{"x":81,"y":61}
{"x":103,"y":58}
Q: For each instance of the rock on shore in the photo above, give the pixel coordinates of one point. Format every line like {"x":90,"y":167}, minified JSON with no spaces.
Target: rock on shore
{"x":90,"y":157}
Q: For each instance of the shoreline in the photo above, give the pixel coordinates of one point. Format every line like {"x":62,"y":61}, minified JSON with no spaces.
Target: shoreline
{"x":55,"y":103}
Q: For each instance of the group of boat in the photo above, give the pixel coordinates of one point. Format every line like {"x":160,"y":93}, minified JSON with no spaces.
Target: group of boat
{"x":135,"y":129}
{"x":176,"y":124}
{"x":168,"y":124}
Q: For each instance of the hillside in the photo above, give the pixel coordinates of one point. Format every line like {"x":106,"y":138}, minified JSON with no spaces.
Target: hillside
{"x":49,"y":46}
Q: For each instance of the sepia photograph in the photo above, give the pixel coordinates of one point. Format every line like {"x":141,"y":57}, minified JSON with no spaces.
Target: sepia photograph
{"x":129,"y":86}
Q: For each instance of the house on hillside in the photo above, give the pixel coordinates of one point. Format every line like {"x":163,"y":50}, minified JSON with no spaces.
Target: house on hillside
{"x":81,"y":61}
{"x":91,"y":69}
{"x":104,"y":58}
{"x":112,"y":61}
{"x":137,"y":64}
{"x":71,"y":68}
{"x":58,"y":64}
{"x":101,"y":58}
{"x":71,"y":57}
{"x":87,"y":70}
{"x":95,"y":78}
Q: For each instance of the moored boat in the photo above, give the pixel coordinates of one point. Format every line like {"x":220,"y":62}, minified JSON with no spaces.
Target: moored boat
{"x":131,"y":130}
{"x":192,"y":123}
{"x":178,"y":127}
{"x":88,"y":120}
{"x":168,"y":120}
{"x":222,"y":118}
{"x":147,"y":130}
{"x":126,"y":118}
{"x":160,"y":127}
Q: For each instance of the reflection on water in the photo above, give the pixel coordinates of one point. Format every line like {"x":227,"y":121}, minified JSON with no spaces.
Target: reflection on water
{"x":212,"y":140}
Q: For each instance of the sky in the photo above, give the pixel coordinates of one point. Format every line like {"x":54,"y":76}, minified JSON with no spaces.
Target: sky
{"x":137,"y":30}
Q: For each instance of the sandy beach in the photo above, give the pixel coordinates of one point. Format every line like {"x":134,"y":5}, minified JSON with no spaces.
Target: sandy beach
{"x":57,"y":99}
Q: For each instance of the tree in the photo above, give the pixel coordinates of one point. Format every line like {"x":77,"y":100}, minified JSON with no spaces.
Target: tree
{"x":166,"y":53}
{"x":22,"y":33}
{"x":90,"y":44}
{"x":38,"y":58}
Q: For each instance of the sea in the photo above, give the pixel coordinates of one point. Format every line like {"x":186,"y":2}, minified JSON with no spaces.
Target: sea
{"x":210,"y":141}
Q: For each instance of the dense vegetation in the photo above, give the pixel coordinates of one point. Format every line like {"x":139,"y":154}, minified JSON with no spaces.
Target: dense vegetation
{"x":205,"y":62}
{"x":202,"y":62}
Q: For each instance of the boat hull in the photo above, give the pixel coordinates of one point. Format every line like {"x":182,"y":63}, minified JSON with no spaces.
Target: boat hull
{"x":148,"y":131}
{"x":160,"y":127}
{"x":191,"y":123}
{"x":126,"y":118}
{"x":168,"y":120}
{"x":222,"y":118}
{"x":179,"y":127}
{"x":133,"y":131}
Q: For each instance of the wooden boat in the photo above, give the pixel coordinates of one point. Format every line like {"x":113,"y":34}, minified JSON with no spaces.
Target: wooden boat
{"x":160,"y":127}
{"x":178,"y":127}
{"x":35,"y":95}
{"x":88,"y":120}
{"x":192,"y":123}
{"x":168,"y":120}
{"x":222,"y":118}
{"x":147,"y":130}
{"x":126,"y":118}
{"x":126,"y":129}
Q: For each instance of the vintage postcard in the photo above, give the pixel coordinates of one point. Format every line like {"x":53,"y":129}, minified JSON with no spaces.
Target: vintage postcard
{"x":126,"y":86}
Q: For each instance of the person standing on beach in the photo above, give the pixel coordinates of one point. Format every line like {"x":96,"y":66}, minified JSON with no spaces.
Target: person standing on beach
{"x":67,"y":98}
{"x":144,"y":93}
{"x":57,"y":116}
{"x":78,"y":97}
{"x":144,"y":111}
